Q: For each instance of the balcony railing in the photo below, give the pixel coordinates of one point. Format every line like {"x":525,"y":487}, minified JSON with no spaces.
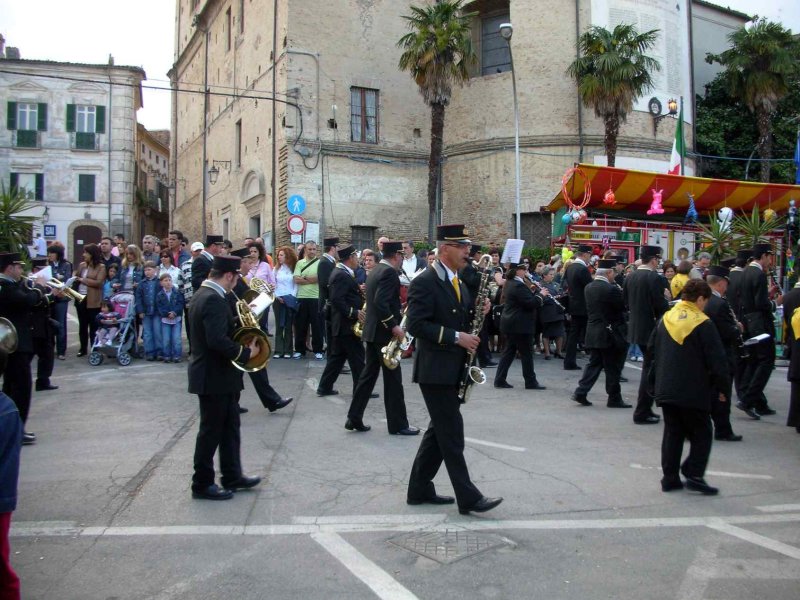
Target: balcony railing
{"x":155,"y":203}
{"x":24,"y":138}
{"x":85,"y":141}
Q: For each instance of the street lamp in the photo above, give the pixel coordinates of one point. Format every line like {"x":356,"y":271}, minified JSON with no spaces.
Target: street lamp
{"x":506,"y":31}
{"x":655,"y":110}
{"x":213,"y":172}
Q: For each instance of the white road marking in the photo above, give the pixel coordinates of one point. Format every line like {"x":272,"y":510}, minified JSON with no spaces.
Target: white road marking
{"x":483,"y":442}
{"x":371,"y":519}
{"x":772,"y":508}
{"x":716,"y":474}
{"x":378,"y":580}
{"x":313,"y":383}
{"x":633,"y":366}
{"x":755,"y":538}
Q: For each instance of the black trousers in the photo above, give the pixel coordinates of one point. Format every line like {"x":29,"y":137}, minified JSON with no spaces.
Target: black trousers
{"x":393,"y":396}
{"x":682,"y":424}
{"x":87,"y":324}
{"x":757,"y":371}
{"x":219,"y":428}
{"x":575,"y":335}
{"x":266,"y":393}
{"x":483,"y":355}
{"x":609,"y":360}
{"x":345,"y":348}
{"x":721,"y":411}
{"x":17,"y":382}
{"x":524,"y":344}
{"x":442,"y":442}
{"x":44,"y":349}
{"x":644,"y":401}
{"x":308,"y":315}
{"x":60,"y":310}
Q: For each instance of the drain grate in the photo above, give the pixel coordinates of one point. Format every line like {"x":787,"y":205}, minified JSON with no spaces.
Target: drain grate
{"x":448,"y":546}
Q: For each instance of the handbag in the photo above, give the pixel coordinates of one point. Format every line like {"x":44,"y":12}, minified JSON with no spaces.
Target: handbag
{"x":290,"y":301}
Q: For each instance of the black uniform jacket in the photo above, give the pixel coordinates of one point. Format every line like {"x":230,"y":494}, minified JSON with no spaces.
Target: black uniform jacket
{"x":326,"y":266}
{"x":17,"y":302}
{"x":734,"y":290}
{"x":211,"y":327}
{"x":756,"y":305}
{"x":606,"y":308}
{"x":519,"y":311}
{"x":434,"y":316}
{"x":692,"y":374}
{"x":643,"y":293}
{"x":345,"y":299}
{"x":201,"y":266}
{"x":791,"y":302}
{"x":719,"y":311}
{"x":41,"y":321}
{"x":470,"y":277}
{"x":383,"y":304}
{"x":578,"y":277}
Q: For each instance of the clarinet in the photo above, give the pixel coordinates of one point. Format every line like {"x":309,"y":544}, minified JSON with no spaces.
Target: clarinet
{"x":473,"y":374}
{"x":540,"y":287}
{"x":740,"y":347}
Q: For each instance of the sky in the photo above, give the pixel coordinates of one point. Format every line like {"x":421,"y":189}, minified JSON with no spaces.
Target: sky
{"x":141,"y":34}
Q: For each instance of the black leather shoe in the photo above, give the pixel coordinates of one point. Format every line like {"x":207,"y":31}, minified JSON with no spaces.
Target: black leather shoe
{"x":668,"y":485}
{"x":280,"y":404}
{"x":212,"y":492}
{"x":572,"y":368}
{"x":762,"y":412}
{"x":81,"y":353}
{"x":648,"y":420}
{"x":618,"y":404}
{"x":374,"y":395}
{"x":243,"y":410}
{"x":352,"y":425}
{"x":481,"y":505}
{"x":698,"y":484}
{"x":581,"y":400}
{"x":328,"y":393}
{"x":748,"y":411}
{"x":243,"y":483}
{"x":408,"y":431}
{"x":623,"y":379}
{"x":535,"y":386}
{"x":503,"y":384}
{"x":43,"y":388}
{"x":730,"y":437}
{"x":435,"y":499}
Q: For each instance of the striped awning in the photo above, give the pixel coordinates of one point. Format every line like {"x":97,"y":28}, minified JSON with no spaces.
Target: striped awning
{"x":633,"y":191}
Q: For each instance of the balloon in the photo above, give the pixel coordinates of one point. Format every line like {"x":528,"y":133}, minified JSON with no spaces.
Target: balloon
{"x":725,"y":216}
{"x":769,"y":214}
{"x":691,"y":213}
{"x":655,"y":205}
{"x":566,"y":219}
{"x":610,"y":197}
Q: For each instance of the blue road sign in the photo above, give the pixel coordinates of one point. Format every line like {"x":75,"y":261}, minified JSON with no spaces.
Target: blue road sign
{"x":296,"y":204}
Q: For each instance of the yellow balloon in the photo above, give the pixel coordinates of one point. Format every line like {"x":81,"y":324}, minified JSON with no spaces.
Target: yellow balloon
{"x":769,"y":214}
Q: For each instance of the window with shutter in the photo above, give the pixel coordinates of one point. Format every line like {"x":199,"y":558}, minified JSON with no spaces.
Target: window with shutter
{"x":41,"y":124}
{"x":364,"y":115}
{"x":86,"y":190}
{"x":11,"y":116}
{"x":28,"y":185}
{"x":70,"y":117}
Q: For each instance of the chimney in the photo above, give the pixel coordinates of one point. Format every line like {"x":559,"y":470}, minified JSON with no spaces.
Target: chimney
{"x":12,"y":53}
{"x":2,"y":46}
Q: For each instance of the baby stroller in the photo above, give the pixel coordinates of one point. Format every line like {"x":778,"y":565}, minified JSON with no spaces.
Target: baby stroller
{"x":125,"y":339}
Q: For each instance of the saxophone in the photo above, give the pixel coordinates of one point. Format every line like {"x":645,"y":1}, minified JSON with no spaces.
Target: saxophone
{"x":473,"y":374}
{"x":358,"y":326}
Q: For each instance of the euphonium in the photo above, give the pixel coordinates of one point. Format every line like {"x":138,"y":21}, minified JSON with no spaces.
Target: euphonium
{"x":473,"y":374}
{"x":8,"y":336}
{"x":249,"y":330}
{"x":393,"y":351}
{"x":260,"y":296}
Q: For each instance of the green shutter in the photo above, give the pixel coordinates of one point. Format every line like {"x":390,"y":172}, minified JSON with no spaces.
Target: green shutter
{"x":100,"y":119}
{"x":86,"y":188}
{"x":41,"y":115}
{"x":70,"y":117}
{"x":14,"y":182}
{"x":11,"y":118}
{"x":40,"y":186}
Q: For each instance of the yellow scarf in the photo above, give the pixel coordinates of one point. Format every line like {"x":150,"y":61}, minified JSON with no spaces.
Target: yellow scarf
{"x":681,"y":320}
{"x":796,"y":323}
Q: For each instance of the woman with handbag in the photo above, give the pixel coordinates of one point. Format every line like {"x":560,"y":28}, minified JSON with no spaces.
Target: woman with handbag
{"x":91,"y":275}
{"x":285,"y":302}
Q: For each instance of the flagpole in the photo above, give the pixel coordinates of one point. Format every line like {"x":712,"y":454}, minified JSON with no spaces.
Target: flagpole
{"x":683,"y":154}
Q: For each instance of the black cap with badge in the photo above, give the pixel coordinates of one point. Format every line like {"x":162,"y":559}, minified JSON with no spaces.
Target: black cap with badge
{"x":717,"y":271}
{"x":606,"y":263}
{"x":214,"y":239}
{"x":226,"y":264}
{"x":241,"y":253}
{"x":647,"y":253}
{"x":584,"y":248}
{"x":452,"y":233}
{"x":347,"y":252}
{"x":761,"y":249}
{"x":329,"y":242}
{"x":391,"y":247}
{"x":10,"y":258}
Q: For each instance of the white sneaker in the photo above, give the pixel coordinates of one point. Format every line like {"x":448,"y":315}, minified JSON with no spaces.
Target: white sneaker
{"x":319,"y":356}
{"x":297,"y":356}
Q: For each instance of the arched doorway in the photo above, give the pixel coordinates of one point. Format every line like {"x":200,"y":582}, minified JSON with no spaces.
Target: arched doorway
{"x":82,"y":235}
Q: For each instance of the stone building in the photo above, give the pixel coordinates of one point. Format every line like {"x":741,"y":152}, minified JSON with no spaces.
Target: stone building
{"x":68,"y":144}
{"x":711,"y":26}
{"x":151,"y":198}
{"x":349,"y":133}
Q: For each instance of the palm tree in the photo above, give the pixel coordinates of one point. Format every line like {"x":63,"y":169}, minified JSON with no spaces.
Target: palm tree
{"x":15,"y":228}
{"x":437,"y":52}
{"x":759,"y":67}
{"x":612,"y":71}
{"x":752,"y":229}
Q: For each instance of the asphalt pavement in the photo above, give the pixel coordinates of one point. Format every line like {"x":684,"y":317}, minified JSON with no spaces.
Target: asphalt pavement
{"x":105,"y":510}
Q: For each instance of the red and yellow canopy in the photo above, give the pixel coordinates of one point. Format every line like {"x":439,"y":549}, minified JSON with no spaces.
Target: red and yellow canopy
{"x":633,"y":191}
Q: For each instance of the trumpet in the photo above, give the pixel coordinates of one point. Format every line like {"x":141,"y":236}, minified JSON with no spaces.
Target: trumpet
{"x":66,"y":290}
{"x":393,"y":351}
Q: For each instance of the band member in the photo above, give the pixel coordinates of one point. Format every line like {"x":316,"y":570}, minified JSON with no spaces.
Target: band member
{"x":721,"y":314}
{"x":791,"y":321}
{"x":217,"y":383}
{"x":471,"y":278}
{"x":734,"y":285}
{"x":577,"y":276}
{"x":17,"y":301}
{"x":605,"y":336}
{"x":688,"y":376}
{"x":62,"y":270}
{"x":44,"y":335}
{"x":201,"y":264}
{"x":757,"y":316}
{"x":326,"y":265}
{"x":643,"y":294}
{"x":439,"y":317}
{"x":382,"y":324}
{"x":345,"y":303}
{"x":518,"y":323}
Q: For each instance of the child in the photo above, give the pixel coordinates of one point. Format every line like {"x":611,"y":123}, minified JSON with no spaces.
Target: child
{"x":146,"y":309}
{"x":109,"y":288}
{"x":169,"y":302}
{"x":107,"y":324}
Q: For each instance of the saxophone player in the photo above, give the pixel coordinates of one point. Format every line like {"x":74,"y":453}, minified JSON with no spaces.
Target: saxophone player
{"x":382,"y":324}
{"x":439,"y":317}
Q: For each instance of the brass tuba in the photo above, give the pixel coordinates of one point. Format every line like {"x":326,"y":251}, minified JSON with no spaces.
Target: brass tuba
{"x":247,"y":331}
{"x":8,"y":336}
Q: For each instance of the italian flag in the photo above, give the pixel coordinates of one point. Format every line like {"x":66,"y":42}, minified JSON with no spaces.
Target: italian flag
{"x":678,"y":148}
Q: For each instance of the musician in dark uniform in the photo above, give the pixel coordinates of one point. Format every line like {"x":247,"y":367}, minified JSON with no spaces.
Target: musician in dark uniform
{"x":605,"y":336}
{"x":345,"y":301}
{"x":44,"y":335}
{"x":688,"y":374}
{"x":721,"y":314}
{"x":518,"y":323}
{"x":17,"y":301}
{"x":217,"y":383}
{"x":327,"y":262}
{"x":471,"y":278}
{"x":757,"y":316}
{"x":577,"y":276}
{"x":791,"y":323}
{"x":382,"y":324}
{"x":643,"y":293}
{"x":734,"y":284}
{"x":440,"y":311}
{"x":201,"y":265}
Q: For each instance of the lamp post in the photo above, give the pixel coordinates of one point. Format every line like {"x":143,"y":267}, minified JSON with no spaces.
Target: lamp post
{"x":506,"y":31}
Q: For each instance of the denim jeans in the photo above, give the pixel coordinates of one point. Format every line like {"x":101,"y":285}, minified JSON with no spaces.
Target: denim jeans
{"x":151,"y":333}
{"x":634,"y":351}
{"x":60,"y":314}
{"x":171,"y":341}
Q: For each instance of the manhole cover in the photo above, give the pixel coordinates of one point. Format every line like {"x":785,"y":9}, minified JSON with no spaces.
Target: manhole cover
{"x":447,"y":546}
